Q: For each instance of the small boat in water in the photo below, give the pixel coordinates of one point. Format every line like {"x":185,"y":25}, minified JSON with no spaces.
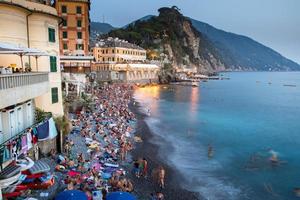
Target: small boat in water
{"x":288,"y":85}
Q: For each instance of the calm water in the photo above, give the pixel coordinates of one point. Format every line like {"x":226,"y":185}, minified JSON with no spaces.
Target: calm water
{"x":241,"y":118}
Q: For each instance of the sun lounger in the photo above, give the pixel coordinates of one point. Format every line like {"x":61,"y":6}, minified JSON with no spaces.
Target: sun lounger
{"x":39,"y":167}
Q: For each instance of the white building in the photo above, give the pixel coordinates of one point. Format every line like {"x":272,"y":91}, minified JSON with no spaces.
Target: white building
{"x":29,"y":25}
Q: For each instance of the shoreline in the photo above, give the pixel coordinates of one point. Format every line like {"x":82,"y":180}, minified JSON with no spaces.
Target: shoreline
{"x":144,"y":187}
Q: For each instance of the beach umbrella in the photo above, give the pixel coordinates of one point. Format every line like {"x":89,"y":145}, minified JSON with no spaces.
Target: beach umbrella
{"x":7,"y":48}
{"x":120,"y":196}
{"x":36,"y":54}
{"x":71,"y":195}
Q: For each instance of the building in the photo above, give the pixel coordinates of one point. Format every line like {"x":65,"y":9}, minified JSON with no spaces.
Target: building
{"x":75,"y":28}
{"x":116,"y":50}
{"x":28,"y":25}
{"x":74,"y":43}
{"x":130,"y":73}
{"x":119,"y":60}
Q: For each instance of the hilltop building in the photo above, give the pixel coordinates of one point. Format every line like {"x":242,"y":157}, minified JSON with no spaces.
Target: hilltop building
{"x":119,"y":60}
{"x":30,"y":75}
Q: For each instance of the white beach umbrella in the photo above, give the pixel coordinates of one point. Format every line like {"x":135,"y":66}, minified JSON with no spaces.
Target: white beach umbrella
{"x":37,"y":55}
{"x":7,"y":48}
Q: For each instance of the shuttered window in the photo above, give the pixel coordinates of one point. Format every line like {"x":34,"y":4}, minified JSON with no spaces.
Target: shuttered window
{"x":53,"y":64}
{"x":65,"y":34}
{"x":51,"y":33}
{"x":79,"y":35}
{"x":54,"y":95}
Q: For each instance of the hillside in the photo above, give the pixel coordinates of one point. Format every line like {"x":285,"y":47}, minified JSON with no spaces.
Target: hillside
{"x":183,"y":42}
{"x":240,"y":52}
{"x":101,"y":28}
{"x":97,"y":29}
{"x":171,"y":38}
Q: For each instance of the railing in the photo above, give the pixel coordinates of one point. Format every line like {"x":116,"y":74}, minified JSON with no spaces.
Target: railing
{"x":8,"y":81}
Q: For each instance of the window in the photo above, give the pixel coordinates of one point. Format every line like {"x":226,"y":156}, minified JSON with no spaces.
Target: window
{"x":65,"y":46}
{"x":64,"y":9}
{"x":79,"y":46}
{"x":65,"y":34}
{"x":51,"y":33}
{"x":79,"y":35}
{"x":78,"y":9}
{"x":65,"y":22}
{"x":106,"y":50}
{"x":113,"y":51}
{"x":53,"y":65}
{"x":54,"y":95}
{"x":79,"y":23}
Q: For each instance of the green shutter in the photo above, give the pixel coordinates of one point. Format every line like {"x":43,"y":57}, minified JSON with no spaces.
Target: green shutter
{"x":54,"y":95}
{"x":53,"y":64}
{"x":51,"y":34}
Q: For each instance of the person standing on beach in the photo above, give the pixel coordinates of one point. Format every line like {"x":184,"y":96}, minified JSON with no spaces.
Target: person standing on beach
{"x":161,"y":177}
{"x":145,"y":170}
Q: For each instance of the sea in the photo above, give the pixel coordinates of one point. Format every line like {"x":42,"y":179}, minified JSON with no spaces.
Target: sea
{"x":221,"y":135}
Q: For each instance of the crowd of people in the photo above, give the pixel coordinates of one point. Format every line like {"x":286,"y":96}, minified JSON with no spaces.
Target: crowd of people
{"x":99,"y":144}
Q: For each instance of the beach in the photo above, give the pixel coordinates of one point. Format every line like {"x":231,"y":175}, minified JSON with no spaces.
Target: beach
{"x":144,"y":187}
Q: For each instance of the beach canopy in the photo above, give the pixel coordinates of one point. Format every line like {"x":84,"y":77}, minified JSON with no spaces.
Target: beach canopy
{"x":120,"y":196}
{"x":7,"y":48}
{"x":71,"y":195}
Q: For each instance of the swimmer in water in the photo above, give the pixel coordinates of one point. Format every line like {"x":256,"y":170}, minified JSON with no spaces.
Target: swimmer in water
{"x":210,"y":152}
{"x":274,"y":157}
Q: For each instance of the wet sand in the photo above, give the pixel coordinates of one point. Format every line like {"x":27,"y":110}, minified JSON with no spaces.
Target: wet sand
{"x":144,"y":187}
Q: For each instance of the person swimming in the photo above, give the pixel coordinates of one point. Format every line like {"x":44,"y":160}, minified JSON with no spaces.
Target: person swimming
{"x":210,"y":152}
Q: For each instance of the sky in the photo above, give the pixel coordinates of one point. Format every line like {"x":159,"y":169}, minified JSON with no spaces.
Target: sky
{"x":274,"y":23}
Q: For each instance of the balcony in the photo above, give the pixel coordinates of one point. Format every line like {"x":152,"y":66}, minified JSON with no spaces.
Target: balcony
{"x":20,"y":87}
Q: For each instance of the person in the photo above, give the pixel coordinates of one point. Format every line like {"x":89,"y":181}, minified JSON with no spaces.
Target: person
{"x":159,"y":196}
{"x":274,"y":158}
{"x":145,"y":163}
{"x":210,"y":152}
{"x":161,"y":177}
{"x":136,"y":169}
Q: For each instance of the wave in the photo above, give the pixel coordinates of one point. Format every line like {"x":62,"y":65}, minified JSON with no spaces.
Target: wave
{"x":192,"y":162}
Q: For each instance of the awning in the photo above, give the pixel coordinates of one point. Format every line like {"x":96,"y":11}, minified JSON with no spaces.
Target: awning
{"x":7,"y":48}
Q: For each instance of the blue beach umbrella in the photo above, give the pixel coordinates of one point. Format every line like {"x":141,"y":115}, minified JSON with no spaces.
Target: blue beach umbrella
{"x":120,"y":196}
{"x":71,"y":195}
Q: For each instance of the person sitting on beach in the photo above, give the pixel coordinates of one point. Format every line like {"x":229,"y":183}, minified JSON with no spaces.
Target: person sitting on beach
{"x":159,"y":196}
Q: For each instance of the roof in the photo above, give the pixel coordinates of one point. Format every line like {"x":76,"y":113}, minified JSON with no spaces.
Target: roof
{"x":8,"y":48}
{"x":140,"y":65}
{"x":116,"y":42}
{"x":77,"y":58}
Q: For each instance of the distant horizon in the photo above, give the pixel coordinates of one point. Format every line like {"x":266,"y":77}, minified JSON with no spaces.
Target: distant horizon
{"x":276,"y":27}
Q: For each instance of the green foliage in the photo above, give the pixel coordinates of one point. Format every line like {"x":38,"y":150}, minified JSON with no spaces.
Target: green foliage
{"x":41,"y":115}
{"x":62,"y":124}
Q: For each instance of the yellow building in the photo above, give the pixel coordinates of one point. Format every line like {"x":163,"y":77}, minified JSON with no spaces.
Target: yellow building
{"x":116,"y":50}
{"x":119,"y":60}
{"x":28,"y":25}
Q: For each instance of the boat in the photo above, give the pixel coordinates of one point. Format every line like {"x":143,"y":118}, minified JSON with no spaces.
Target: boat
{"x":288,"y":85}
